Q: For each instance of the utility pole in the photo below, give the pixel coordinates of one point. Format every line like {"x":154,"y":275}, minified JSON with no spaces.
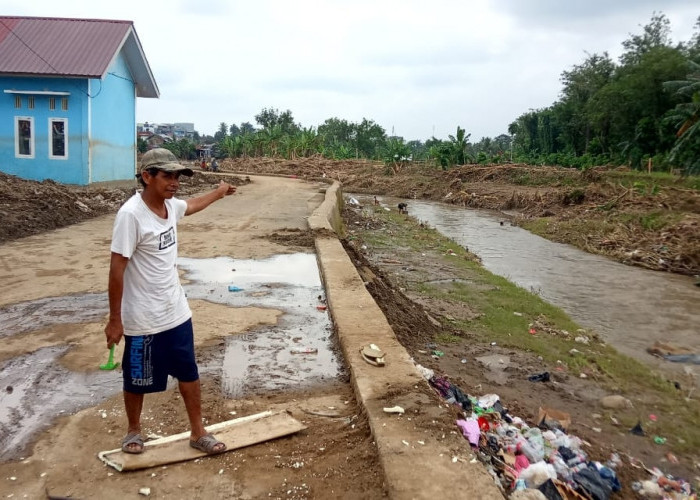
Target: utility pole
{"x":511,"y":149}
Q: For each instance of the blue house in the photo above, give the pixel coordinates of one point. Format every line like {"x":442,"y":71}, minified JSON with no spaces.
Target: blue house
{"x":68,"y":100}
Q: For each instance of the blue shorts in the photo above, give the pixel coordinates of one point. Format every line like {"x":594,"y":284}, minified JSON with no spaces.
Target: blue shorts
{"x":149,"y":359}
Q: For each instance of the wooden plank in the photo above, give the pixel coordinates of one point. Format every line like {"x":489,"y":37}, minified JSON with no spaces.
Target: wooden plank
{"x":237,"y":433}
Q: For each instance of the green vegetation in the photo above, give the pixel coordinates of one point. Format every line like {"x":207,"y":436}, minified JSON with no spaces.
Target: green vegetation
{"x":642,"y":112}
{"x":628,"y":179}
{"x":527,"y":179}
{"x":183,"y":148}
{"x":494,"y":301}
{"x":447,"y":338}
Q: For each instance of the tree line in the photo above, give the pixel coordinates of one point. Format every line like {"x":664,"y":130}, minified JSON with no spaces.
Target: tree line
{"x":643,"y":110}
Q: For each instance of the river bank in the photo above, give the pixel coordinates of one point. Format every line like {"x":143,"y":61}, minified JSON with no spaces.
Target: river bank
{"x":488,"y":336}
{"x":631,"y":308}
{"x":646,"y":220}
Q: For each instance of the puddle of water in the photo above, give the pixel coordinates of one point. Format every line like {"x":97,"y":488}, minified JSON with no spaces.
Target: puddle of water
{"x":37,"y":314}
{"x":496,"y":366}
{"x":35,"y":389}
{"x":262,"y":359}
{"x":299,"y":269}
{"x":629,"y":306}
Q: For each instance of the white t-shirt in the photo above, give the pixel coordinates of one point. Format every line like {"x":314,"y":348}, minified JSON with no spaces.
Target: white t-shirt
{"x":153,"y":299}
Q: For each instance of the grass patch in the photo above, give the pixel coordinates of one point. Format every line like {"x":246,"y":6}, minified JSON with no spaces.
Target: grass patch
{"x":539,"y":226}
{"x":572,"y":231}
{"x":652,"y":221}
{"x":629,"y":179}
{"x":527,"y":179}
{"x":577,"y":231}
{"x":506,"y":313}
{"x":447,"y":338}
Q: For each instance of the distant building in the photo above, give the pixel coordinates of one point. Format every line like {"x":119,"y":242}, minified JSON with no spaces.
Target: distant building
{"x":184,"y":127}
{"x":145,"y":128}
{"x":157,"y":140}
{"x":205,"y":151}
{"x":68,"y":106}
{"x":175,"y":131}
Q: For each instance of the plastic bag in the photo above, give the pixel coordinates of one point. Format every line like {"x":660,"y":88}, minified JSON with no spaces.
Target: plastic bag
{"x":537,"y":474}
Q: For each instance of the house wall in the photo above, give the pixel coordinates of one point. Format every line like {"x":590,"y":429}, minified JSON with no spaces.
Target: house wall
{"x":113,"y":124}
{"x":73,"y":169}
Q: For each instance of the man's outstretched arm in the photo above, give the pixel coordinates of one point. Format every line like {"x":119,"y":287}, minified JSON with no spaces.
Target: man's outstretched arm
{"x":194,"y":205}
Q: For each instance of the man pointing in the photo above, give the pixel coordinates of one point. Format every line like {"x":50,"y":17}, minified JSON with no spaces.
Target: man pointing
{"x":147,"y":304}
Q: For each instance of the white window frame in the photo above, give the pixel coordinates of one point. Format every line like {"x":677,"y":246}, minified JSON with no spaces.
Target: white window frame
{"x":65,"y":138}
{"x":32,"y":142}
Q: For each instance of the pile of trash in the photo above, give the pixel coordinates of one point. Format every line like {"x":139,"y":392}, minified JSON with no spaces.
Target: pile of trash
{"x":542,"y":457}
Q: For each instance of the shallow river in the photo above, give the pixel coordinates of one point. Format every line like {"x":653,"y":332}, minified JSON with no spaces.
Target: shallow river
{"x":629,"y":307}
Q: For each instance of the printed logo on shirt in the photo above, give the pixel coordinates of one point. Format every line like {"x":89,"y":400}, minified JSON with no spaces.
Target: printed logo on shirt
{"x":167,"y":239}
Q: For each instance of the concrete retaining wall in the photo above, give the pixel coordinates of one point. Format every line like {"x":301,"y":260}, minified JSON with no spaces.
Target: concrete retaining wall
{"x":415,"y":471}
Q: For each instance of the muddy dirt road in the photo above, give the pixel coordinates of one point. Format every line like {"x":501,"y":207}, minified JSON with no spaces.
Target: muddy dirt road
{"x":336,"y":453}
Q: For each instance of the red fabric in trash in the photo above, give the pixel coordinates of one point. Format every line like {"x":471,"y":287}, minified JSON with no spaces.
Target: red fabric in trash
{"x":483,"y":424}
{"x":521,"y":462}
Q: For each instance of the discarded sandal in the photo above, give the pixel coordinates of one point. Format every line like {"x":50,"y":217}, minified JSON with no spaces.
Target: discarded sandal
{"x":133,"y":443}
{"x":373,"y":355}
{"x":208,"y":444}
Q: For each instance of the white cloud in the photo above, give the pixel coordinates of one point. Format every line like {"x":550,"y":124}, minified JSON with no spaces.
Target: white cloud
{"x":415,"y":66}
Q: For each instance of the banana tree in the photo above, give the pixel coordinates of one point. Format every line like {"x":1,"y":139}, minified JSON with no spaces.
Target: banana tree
{"x":460,"y":143}
{"x":396,"y":154}
{"x":686,"y":115}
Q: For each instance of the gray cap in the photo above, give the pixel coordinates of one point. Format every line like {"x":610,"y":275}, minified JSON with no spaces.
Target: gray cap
{"x":164,"y":160}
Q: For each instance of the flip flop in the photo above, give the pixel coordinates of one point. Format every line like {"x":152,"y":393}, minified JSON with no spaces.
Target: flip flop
{"x":373,"y":355}
{"x":206,"y":444}
{"x":132,"y":438}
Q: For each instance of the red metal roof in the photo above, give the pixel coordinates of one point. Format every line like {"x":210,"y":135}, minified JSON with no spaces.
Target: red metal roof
{"x":65,"y":47}
{"x":49,"y":46}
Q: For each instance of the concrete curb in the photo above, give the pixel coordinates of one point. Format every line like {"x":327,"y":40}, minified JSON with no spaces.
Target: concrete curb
{"x":359,"y":321}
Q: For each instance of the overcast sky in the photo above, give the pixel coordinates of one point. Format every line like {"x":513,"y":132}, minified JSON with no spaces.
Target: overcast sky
{"x":417,"y":68}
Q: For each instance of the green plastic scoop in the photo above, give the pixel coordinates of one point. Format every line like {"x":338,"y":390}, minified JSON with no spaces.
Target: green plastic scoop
{"x":110,"y":364}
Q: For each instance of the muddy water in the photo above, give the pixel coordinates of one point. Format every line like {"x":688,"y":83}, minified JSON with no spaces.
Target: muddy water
{"x":630,"y":307}
{"x":35,"y":388}
{"x":38,"y":314}
{"x":269,"y":358}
